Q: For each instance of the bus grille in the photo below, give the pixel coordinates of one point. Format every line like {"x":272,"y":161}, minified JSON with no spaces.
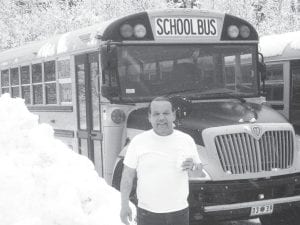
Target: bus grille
{"x":241,"y":153}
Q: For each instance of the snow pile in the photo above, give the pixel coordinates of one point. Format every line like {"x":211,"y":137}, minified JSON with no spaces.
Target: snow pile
{"x":272,"y":45}
{"x":43,"y":182}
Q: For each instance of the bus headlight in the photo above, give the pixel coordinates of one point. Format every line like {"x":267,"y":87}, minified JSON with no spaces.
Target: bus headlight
{"x":126,"y":30}
{"x":233,"y":31}
{"x":139,"y":31}
{"x":199,"y":175}
{"x":118,"y":116}
{"x":245,"y":31}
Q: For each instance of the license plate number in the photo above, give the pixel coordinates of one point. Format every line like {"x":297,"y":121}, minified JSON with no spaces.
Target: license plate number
{"x":261,"y":210}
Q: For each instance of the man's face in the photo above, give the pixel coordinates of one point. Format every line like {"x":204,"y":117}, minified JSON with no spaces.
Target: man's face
{"x":162,"y":117}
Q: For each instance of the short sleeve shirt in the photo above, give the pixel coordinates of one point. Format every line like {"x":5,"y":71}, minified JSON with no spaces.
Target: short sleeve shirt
{"x":162,"y":185}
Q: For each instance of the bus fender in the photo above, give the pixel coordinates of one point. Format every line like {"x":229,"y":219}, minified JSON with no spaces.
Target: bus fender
{"x":118,"y":169}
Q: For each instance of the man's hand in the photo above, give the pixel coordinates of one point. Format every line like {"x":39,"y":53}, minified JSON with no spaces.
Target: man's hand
{"x":187,"y":164}
{"x":126,"y":214}
{"x":126,"y":185}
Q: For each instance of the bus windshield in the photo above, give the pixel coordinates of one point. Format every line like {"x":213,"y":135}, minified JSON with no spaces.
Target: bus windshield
{"x":195,"y":71}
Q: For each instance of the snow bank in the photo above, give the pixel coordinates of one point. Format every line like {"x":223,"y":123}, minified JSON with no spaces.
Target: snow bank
{"x":43,"y":182}
{"x":273,"y":45}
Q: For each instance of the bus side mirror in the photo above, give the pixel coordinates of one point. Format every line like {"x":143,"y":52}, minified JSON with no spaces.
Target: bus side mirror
{"x":262,"y":68}
{"x":109,"y":56}
{"x":109,"y":64}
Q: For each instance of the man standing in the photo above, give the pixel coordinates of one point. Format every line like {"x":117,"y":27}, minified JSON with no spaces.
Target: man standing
{"x":160,"y":158}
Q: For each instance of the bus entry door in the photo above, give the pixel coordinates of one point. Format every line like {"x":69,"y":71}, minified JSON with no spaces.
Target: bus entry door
{"x":88,"y":108}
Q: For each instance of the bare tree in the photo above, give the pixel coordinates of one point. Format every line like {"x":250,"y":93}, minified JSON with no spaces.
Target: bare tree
{"x":23,"y":21}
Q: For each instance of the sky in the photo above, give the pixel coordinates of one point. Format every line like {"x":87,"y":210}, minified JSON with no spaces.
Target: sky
{"x":43,"y":182}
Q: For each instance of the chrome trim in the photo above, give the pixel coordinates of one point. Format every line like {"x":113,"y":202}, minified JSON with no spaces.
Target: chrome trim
{"x":241,"y":153}
{"x":250,"y":204}
{"x":193,"y":41}
{"x":50,"y":108}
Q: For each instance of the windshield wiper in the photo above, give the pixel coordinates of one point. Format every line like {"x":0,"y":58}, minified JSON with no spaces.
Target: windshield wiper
{"x":232,"y":95}
{"x":178,"y":92}
{"x":224,"y":92}
{"x":217,"y":92}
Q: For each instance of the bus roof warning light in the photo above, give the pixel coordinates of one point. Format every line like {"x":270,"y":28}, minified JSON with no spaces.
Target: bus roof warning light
{"x":126,"y":30}
{"x":244,"y":31}
{"x":233,"y":31}
{"x":140,"y":31}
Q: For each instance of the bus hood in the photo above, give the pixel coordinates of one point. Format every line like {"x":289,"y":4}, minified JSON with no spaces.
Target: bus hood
{"x":215,"y":114}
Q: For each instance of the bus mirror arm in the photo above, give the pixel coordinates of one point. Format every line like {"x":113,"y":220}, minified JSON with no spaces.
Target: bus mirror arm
{"x":108,"y":46}
{"x":111,"y":47}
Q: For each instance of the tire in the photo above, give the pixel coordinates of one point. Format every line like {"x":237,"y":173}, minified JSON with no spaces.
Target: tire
{"x":116,"y":181}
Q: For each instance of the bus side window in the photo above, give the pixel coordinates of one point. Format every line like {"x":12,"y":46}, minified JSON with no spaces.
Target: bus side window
{"x":50,"y":82}
{"x":274,"y":82}
{"x":4,"y":81}
{"x":25,"y":84}
{"x":14,"y":82}
{"x":37,"y":83}
{"x":64,"y":80}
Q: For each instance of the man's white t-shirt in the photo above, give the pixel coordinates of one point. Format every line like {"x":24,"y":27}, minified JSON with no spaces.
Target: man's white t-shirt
{"x":162,"y":184}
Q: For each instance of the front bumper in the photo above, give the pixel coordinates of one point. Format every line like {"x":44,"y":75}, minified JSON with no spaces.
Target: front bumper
{"x":232,"y":200}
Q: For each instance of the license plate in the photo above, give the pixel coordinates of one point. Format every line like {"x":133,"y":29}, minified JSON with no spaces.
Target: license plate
{"x":261,"y":210}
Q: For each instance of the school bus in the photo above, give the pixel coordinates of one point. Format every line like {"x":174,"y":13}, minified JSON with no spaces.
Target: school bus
{"x":94,"y":86}
{"x":282,"y":57}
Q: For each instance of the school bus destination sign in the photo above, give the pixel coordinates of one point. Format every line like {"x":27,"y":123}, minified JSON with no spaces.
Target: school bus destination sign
{"x":182,"y":27}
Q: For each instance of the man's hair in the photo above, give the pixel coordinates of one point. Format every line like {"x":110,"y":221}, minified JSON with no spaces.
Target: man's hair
{"x":160,"y":99}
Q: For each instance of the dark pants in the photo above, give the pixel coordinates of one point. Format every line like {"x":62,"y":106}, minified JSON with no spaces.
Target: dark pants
{"x":145,"y":217}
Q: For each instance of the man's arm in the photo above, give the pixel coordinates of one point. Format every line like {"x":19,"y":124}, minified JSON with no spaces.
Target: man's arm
{"x":126,"y":187}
